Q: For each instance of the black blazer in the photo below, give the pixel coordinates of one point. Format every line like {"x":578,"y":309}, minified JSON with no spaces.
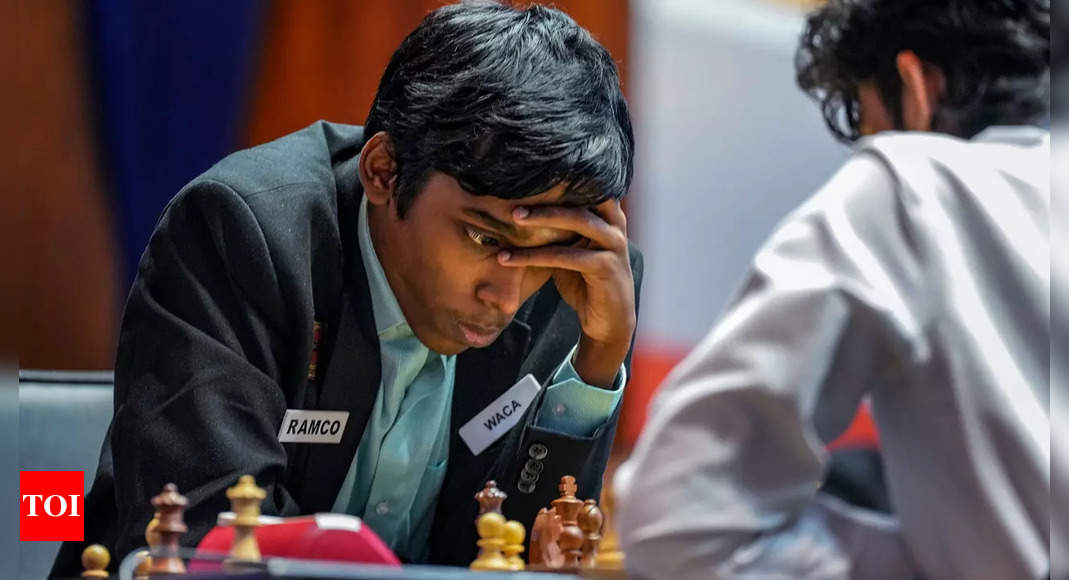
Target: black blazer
{"x":216,"y":341}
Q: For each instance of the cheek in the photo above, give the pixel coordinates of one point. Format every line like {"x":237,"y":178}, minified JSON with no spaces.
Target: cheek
{"x":534,"y":279}
{"x":456,"y":273}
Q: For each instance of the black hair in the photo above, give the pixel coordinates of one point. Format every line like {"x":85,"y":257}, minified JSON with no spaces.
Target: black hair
{"x":511,"y":102}
{"x":995,"y":55}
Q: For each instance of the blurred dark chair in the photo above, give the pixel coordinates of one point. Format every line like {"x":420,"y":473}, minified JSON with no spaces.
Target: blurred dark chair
{"x":63,"y":418}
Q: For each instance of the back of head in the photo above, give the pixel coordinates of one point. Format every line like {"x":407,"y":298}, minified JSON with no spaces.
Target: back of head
{"x":510,"y":102}
{"x":995,"y":55}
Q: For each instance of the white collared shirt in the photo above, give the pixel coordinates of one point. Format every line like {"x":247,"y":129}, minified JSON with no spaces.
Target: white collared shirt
{"x":917,"y":276}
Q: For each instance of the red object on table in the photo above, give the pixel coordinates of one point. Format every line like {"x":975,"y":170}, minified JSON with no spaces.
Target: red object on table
{"x":334,"y":537}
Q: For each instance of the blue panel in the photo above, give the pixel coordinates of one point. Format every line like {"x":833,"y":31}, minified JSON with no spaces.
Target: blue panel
{"x":171,"y":80}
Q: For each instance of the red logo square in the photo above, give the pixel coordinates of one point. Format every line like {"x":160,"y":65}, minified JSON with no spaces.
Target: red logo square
{"x":51,"y":506}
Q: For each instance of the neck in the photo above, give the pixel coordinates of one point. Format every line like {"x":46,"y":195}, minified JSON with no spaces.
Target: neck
{"x":378,"y":218}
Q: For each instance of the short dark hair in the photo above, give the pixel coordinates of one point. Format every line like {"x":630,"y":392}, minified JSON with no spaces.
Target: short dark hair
{"x":510,"y":102}
{"x":995,"y":55}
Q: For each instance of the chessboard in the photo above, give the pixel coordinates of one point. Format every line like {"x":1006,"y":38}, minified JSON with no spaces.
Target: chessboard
{"x":572,"y":537}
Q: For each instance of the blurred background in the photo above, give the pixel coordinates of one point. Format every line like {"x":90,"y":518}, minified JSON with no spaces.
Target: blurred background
{"x":115,"y":104}
{"x":122,"y":102}
{"x":111,"y":106}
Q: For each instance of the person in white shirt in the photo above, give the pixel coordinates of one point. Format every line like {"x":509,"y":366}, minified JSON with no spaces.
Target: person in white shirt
{"x":917,"y":276}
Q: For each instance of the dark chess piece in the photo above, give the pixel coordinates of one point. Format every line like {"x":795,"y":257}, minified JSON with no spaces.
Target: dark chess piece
{"x":590,"y":521}
{"x":571,"y":537}
{"x":170,"y":505}
{"x":490,"y":499}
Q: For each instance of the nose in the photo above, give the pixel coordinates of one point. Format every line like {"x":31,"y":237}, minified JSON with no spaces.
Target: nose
{"x":502,"y":289}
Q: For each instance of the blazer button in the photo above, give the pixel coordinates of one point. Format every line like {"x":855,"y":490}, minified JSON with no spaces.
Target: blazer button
{"x":530,"y":476}
{"x":533,"y":465}
{"x":538,"y":451}
{"x":526,"y":487}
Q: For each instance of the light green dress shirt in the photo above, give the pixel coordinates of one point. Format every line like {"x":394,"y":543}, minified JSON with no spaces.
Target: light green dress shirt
{"x":408,"y":430}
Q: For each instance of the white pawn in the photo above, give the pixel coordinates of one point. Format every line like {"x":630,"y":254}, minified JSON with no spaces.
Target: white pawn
{"x":513,"y":535}
{"x":491,"y":527}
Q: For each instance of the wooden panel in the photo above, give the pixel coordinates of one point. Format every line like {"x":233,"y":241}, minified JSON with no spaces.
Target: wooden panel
{"x":63,"y":286}
{"x":323,"y":60}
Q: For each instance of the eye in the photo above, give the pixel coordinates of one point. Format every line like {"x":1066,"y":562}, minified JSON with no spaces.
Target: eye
{"x":482,"y":239}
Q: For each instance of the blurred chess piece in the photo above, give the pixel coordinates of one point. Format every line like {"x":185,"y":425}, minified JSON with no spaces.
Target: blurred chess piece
{"x":490,"y":499}
{"x":590,"y":521}
{"x":170,"y":505}
{"x":514,"y":536}
{"x":152,"y":540}
{"x":245,"y":498}
{"x":95,"y":560}
{"x":544,"y":535}
{"x":491,"y":528}
{"x":571,"y":537}
{"x":609,"y":556}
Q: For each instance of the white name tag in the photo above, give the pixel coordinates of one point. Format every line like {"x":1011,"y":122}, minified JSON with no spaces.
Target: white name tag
{"x":500,"y":416}
{"x":312,"y":426}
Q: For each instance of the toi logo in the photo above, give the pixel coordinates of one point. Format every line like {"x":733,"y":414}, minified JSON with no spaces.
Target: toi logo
{"x":51,"y":506}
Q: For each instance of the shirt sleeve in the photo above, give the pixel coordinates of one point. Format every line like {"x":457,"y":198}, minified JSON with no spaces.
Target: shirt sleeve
{"x":572,"y":406}
{"x":724,"y":481}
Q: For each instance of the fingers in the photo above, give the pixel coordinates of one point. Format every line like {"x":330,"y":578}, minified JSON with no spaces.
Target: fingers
{"x":594,"y":262}
{"x":604,"y":224}
{"x":612,"y":212}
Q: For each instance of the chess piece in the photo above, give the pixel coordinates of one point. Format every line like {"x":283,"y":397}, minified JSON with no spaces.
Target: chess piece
{"x":571,"y":537}
{"x":144,"y":564}
{"x":609,"y":556}
{"x":95,"y":560}
{"x":590,"y":521}
{"x":170,"y":505}
{"x":491,"y":527}
{"x":545,"y":532}
{"x":245,"y":498}
{"x":490,"y":499}
{"x":152,"y":540}
{"x":513,"y":536}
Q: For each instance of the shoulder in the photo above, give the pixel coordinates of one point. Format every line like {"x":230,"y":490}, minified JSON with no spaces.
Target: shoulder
{"x":303,"y":157}
{"x":283,"y":176}
{"x":931,"y":164}
{"x":862,"y":184}
{"x":274,"y":187}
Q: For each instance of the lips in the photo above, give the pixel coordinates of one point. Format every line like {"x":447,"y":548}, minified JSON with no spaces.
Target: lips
{"x":478,"y":336}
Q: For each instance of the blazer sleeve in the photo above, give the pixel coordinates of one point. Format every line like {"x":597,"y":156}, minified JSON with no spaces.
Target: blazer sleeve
{"x":198,"y":395}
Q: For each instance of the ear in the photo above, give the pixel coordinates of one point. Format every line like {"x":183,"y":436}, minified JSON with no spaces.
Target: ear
{"x":378,"y":170}
{"x":922,"y":88}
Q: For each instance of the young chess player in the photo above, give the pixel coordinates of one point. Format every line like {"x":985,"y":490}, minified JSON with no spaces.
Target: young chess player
{"x":344,"y":312}
{"x":917,"y":275}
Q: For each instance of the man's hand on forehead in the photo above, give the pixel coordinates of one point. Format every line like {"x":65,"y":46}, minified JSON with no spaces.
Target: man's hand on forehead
{"x":583,"y":227}
{"x":592,"y":271}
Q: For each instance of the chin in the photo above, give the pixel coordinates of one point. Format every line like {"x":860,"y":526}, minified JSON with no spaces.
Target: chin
{"x":453,"y":348}
{"x":443,"y":344}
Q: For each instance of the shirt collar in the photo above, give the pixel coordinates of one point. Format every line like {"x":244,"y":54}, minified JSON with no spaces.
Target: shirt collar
{"x":388,"y":315}
{"x":1017,"y":134}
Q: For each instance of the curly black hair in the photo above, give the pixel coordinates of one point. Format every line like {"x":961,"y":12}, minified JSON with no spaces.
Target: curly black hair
{"x":995,"y":55}
{"x":511,"y":102}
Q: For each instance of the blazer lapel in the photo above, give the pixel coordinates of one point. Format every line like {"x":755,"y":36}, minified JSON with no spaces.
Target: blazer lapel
{"x":482,"y":375}
{"x":354,"y":371}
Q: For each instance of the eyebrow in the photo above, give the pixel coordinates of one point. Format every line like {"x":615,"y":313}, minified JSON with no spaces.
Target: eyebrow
{"x":511,"y":230}
{"x":492,"y":221}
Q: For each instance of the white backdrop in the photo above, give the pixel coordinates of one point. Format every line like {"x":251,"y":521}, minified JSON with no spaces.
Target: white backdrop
{"x":726,"y":146}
